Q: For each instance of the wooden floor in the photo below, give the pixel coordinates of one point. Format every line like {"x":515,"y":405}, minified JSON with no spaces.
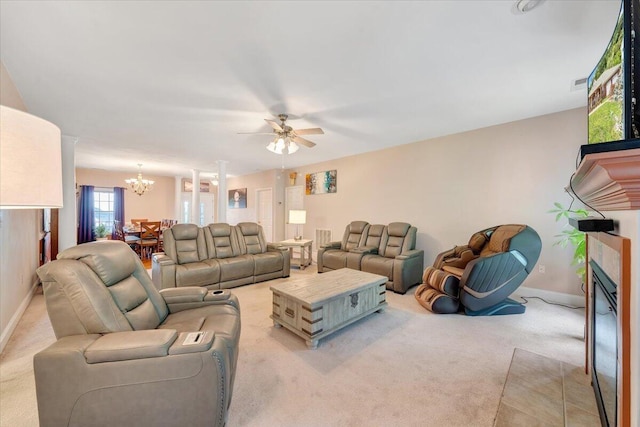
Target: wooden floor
{"x":147,"y":263}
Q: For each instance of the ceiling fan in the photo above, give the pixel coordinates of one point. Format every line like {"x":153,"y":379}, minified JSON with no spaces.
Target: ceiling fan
{"x":287,"y":138}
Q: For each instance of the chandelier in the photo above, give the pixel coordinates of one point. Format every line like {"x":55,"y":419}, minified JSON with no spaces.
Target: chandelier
{"x":139,"y":185}
{"x":283,"y":144}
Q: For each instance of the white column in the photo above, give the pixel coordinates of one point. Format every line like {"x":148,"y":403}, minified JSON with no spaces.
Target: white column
{"x":67,"y":215}
{"x":177,"y":209}
{"x":222,"y":190}
{"x":195,"y":197}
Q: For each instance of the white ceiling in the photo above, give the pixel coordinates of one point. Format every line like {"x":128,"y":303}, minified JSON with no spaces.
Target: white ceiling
{"x":169,"y":84}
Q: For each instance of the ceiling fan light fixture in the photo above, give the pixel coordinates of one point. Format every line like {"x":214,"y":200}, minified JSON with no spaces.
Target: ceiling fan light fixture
{"x":293,"y":147}
{"x":272,"y":147}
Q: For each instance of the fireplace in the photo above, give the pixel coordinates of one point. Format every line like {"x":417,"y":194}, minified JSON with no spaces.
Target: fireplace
{"x":608,"y":326}
{"x":604,"y":345}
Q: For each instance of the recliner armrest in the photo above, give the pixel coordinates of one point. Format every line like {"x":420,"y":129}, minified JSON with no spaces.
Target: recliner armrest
{"x":410,"y":254}
{"x":118,"y":346}
{"x":161,"y":258}
{"x":188,"y":297}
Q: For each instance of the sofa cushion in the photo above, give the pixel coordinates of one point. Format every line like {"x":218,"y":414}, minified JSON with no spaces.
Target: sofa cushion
{"x":397,"y":239}
{"x":268,"y":262}
{"x":354,"y":234}
{"x":334,"y":259}
{"x":198,"y":273}
{"x":251,"y":238}
{"x":378,"y":265}
{"x":109,"y":261}
{"x":237,"y":267}
{"x":221,"y":241}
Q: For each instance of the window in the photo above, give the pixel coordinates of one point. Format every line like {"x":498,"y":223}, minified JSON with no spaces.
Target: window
{"x":103,"y":207}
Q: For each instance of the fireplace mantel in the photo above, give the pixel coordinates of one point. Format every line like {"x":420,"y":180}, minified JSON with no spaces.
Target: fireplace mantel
{"x":609,"y":181}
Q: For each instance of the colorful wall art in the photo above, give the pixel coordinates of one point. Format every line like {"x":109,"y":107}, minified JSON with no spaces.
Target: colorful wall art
{"x":322,"y":182}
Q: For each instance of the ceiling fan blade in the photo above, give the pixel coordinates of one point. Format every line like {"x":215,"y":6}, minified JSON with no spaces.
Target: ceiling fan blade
{"x":275,"y":125}
{"x":303,"y":141}
{"x":311,"y":131}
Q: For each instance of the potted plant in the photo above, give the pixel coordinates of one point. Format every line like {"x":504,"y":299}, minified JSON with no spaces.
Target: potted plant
{"x":576,"y":238}
{"x":101,"y":232}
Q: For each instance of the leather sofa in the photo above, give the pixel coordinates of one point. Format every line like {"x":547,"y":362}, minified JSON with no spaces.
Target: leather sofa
{"x":217,"y":256}
{"x":388,"y":250}
{"x":122,"y":355}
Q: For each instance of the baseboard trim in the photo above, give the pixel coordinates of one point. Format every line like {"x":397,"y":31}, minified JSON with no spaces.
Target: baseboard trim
{"x":11,"y":326}
{"x":551,"y":296}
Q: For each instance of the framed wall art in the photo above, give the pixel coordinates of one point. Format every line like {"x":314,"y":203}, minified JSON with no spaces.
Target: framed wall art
{"x":238,"y":198}
{"x":322,"y":182}
{"x":187,"y":186}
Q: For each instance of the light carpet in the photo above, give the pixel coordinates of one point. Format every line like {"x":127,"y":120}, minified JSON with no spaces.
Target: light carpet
{"x":404,"y":366}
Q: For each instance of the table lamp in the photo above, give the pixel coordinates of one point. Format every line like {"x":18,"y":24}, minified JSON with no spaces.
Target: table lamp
{"x":30,"y":161}
{"x":297,"y":217}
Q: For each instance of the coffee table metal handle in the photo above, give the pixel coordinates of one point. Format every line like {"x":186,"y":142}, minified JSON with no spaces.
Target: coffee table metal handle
{"x":289,"y":312}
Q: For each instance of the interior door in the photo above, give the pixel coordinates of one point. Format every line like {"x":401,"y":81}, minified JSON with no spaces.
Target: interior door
{"x":293,"y":199}
{"x":264,"y":211}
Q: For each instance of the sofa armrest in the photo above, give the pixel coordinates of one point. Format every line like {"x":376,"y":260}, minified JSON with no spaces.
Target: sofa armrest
{"x":332,"y":245}
{"x":188,"y":297}
{"x":129,"y":345}
{"x":163,"y":271}
{"x":407,"y":270}
{"x":410,"y":254}
{"x":276,"y":247}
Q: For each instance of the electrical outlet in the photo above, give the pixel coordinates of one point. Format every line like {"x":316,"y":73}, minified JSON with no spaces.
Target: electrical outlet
{"x":542,"y":269}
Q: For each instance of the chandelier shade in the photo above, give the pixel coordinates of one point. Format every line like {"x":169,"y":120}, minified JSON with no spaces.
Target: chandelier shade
{"x":139,"y":185}
{"x":30,"y":161}
{"x":282,"y":145}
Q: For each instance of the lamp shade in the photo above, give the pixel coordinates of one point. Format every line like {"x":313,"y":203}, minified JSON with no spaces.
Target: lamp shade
{"x":297,"y":217}
{"x":30,"y":161}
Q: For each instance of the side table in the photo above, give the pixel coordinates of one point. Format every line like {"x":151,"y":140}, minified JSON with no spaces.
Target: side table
{"x":305,"y":257}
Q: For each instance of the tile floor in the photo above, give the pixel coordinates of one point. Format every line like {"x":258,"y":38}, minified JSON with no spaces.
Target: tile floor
{"x":540,"y":391}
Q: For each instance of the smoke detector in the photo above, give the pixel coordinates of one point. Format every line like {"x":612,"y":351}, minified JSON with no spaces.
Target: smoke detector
{"x":524,"y":6}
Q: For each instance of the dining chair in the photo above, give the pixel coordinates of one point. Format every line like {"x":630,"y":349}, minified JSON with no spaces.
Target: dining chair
{"x":136,"y":222}
{"x":149,"y":238}
{"x":119,"y":234}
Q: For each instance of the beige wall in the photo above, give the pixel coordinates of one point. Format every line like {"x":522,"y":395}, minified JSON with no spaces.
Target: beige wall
{"x":157,"y":204}
{"x":272,"y":179}
{"x":452,"y":186}
{"x":19,"y":239}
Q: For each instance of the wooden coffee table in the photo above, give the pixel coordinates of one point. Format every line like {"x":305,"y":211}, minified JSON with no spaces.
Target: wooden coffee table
{"x":316,"y":306}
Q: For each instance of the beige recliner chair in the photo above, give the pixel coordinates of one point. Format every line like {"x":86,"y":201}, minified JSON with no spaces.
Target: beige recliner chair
{"x":128,"y":354}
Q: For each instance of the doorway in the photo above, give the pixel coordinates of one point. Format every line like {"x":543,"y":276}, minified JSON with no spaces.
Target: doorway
{"x":264,"y":211}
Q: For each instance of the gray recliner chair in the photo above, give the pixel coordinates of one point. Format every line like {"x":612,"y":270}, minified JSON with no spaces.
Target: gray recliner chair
{"x":396,"y":257}
{"x":128,"y":354}
{"x":334,"y":255}
{"x":481,"y":275}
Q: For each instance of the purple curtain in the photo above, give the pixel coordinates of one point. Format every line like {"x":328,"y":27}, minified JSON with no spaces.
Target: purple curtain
{"x":86,"y":220}
{"x":118,"y":207}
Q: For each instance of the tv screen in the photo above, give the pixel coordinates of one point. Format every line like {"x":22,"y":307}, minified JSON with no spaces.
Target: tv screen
{"x":606,"y":88}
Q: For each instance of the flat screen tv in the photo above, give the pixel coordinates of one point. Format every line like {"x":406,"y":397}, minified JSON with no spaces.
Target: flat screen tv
{"x":612,"y":86}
